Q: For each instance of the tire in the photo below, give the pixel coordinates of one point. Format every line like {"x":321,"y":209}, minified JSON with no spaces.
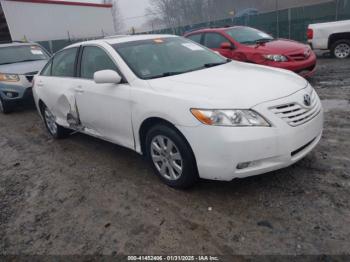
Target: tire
{"x":55,"y":130}
{"x":176,"y":167}
{"x":4,"y":107}
{"x":341,"y":49}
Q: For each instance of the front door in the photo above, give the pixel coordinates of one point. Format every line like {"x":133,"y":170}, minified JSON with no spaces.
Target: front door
{"x":104,"y":110}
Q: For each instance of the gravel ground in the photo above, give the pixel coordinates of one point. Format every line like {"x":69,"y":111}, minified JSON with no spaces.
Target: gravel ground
{"x":85,"y":196}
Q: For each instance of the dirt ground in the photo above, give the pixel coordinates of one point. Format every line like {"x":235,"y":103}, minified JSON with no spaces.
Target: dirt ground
{"x":85,"y":196}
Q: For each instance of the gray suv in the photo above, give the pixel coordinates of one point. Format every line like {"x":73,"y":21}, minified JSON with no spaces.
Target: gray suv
{"x":19,"y":62}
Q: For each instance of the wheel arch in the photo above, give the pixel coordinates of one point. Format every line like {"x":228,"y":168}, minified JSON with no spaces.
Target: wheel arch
{"x":336,"y":37}
{"x":150,"y":122}
{"x":41,"y":105}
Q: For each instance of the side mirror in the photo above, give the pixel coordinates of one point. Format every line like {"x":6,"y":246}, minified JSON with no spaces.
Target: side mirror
{"x":107,"y":77}
{"x":226,"y":45}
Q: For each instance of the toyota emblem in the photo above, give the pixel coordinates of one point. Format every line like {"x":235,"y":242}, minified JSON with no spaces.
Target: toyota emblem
{"x":307,"y":100}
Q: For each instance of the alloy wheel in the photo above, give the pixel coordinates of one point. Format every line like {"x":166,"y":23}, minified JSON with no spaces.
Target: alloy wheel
{"x":342,"y":50}
{"x":50,"y":122}
{"x":166,"y":157}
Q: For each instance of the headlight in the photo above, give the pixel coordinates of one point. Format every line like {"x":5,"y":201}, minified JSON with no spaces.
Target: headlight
{"x":9,"y":78}
{"x":276,"y":58}
{"x":229,"y":117}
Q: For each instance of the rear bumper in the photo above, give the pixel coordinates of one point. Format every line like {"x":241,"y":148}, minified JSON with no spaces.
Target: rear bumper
{"x":305,"y":68}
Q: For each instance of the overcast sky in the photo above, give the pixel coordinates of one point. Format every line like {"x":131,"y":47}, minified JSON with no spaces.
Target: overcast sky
{"x":133,"y":11}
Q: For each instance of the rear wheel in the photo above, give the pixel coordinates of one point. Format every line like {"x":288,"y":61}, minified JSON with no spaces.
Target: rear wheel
{"x":341,"y":49}
{"x":171,"y":157}
{"x":4,"y":108}
{"x":55,"y":130}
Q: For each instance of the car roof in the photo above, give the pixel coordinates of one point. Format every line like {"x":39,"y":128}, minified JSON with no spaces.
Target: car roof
{"x":16,"y":44}
{"x":112,"y":40}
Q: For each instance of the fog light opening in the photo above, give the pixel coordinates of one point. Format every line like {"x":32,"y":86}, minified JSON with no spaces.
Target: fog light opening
{"x":11,"y":94}
{"x":243,"y":165}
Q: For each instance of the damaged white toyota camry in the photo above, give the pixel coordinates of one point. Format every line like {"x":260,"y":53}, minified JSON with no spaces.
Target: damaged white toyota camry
{"x":191,"y":112}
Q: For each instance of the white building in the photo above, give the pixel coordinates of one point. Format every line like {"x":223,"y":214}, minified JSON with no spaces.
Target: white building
{"x":54,"y":22}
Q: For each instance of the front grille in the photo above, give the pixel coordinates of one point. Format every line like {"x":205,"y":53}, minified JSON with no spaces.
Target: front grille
{"x":298,"y":57}
{"x":296,"y":114}
{"x":306,"y":70}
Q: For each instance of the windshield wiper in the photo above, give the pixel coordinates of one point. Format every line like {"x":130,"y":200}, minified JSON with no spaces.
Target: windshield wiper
{"x":208,"y":65}
{"x":263,"y":41}
{"x":22,"y":61}
{"x":29,"y":60}
{"x":166,"y":74}
{"x":187,"y":71}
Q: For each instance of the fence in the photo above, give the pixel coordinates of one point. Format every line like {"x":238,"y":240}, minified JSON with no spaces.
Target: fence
{"x":288,"y":23}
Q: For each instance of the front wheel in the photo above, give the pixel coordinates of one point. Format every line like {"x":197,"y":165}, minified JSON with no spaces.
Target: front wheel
{"x":55,"y":130}
{"x":341,"y":49}
{"x":171,"y":157}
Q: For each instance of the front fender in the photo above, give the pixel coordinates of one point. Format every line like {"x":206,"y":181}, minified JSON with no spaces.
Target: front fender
{"x":148,"y":104}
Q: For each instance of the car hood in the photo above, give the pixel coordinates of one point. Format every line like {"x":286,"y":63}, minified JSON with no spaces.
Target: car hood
{"x":233,"y":85}
{"x":281,"y":46}
{"x":23,"y":68}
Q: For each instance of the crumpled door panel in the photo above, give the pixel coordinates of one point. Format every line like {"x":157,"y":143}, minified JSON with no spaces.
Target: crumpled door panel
{"x":68,"y":112}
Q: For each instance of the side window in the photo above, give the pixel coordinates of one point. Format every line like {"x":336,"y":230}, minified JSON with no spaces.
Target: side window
{"x":94,"y":59}
{"x":47,"y":69}
{"x":195,"y":38}
{"x":64,"y":63}
{"x":214,"y":40}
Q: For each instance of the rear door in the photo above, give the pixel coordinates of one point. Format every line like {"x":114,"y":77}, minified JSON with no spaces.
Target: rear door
{"x":57,"y":82}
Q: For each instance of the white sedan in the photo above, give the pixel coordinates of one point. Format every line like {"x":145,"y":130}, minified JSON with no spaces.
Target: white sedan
{"x":191,"y":112}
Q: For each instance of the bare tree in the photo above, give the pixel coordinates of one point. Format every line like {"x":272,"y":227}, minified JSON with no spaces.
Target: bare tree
{"x":174,"y":13}
{"x":118,"y":21}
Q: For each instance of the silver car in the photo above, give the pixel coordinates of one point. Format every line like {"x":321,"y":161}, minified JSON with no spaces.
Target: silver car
{"x":19,"y":62}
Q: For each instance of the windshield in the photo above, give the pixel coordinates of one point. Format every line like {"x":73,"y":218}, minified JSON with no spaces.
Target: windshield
{"x":247,"y":35}
{"x":17,"y":54}
{"x":163,"y":57}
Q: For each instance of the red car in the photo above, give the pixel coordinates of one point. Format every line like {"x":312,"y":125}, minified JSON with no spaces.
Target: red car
{"x":254,"y":46}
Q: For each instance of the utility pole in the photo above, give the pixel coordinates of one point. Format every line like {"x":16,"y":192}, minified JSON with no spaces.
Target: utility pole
{"x":232,"y":14}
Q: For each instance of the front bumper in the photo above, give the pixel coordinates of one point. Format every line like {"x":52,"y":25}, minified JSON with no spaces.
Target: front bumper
{"x":20,"y":94}
{"x":305,"y":68}
{"x":220,"y":150}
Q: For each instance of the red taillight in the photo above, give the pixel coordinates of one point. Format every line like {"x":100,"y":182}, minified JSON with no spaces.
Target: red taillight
{"x":310,"y":34}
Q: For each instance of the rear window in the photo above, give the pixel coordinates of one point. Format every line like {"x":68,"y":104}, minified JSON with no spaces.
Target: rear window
{"x":18,"y":54}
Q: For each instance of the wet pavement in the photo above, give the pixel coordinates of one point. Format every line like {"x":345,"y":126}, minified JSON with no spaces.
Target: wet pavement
{"x":85,"y":196}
